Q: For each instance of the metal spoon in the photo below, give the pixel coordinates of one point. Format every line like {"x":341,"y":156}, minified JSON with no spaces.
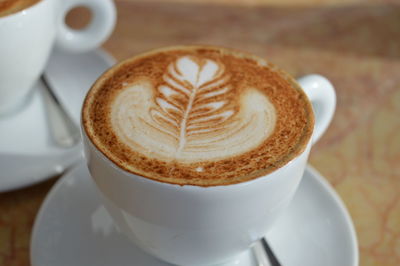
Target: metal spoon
{"x":264,"y":254}
{"x":63,"y":130}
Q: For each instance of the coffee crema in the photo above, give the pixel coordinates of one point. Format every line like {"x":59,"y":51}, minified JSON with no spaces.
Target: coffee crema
{"x":8,"y":7}
{"x":198,"y":115}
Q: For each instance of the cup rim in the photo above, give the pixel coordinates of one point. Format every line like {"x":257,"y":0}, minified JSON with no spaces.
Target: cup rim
{"x":291,"y":79}
{"x":23,"y":11}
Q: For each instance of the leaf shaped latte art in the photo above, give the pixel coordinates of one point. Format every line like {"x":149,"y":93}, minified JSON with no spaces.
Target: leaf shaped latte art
{"x":192,"y":82}
{"x":191,"y":115}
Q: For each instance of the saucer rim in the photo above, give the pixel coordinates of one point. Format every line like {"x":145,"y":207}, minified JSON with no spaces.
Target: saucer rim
{"x":58,"y":169}
{"x":313,"y":172}
{"x":343,"y":209}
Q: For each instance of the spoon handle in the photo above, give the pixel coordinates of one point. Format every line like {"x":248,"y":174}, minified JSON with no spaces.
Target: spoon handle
{"x":264,"y":254}
{"x":63,"y":130}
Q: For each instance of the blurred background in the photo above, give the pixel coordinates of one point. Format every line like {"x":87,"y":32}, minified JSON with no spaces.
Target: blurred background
{"x":354,"y":43}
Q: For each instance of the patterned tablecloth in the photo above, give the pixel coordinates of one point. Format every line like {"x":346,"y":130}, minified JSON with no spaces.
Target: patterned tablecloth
{"x":356,"y":45}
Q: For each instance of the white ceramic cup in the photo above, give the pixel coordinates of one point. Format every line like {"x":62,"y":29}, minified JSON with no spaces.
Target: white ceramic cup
{"x":27,"y":36}
{"x":192,"y":225}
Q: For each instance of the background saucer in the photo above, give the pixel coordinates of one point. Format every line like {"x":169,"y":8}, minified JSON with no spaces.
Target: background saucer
{"x":73,"y":228}
{"x":27,"y":153}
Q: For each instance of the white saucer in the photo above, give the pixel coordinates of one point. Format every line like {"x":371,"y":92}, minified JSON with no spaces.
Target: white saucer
{"x":27,"y":152}
{"x":73,"y":228}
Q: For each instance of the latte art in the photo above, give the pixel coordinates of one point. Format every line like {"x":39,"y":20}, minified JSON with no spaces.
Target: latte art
{"x":191,"y":115}
{"x":197,"y":115}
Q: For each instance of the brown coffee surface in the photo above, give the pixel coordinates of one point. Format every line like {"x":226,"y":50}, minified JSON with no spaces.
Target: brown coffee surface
{"x":8,"y":7}
{"x":198,"y":115}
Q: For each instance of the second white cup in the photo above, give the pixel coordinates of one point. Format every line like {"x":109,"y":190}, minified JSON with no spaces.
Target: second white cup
{"x":28,"y":36}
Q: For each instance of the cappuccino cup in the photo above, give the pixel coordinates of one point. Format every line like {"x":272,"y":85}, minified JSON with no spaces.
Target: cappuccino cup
{"x":28,"y":31}
{"x":197,"y":150}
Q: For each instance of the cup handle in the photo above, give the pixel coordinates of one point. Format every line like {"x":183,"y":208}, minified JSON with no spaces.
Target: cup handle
{"x":323,"y":99}
{"x":99,"y":29}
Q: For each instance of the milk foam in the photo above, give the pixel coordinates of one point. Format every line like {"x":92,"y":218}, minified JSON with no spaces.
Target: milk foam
{"x":198,"y":115}
{"x":191,"y":116}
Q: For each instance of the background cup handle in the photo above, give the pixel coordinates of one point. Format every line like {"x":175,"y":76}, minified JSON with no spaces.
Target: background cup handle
{"x":323,"y":98}
{"x":98,"y":30}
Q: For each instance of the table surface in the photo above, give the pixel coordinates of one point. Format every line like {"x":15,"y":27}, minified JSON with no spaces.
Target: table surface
{"x":355,"y":44}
